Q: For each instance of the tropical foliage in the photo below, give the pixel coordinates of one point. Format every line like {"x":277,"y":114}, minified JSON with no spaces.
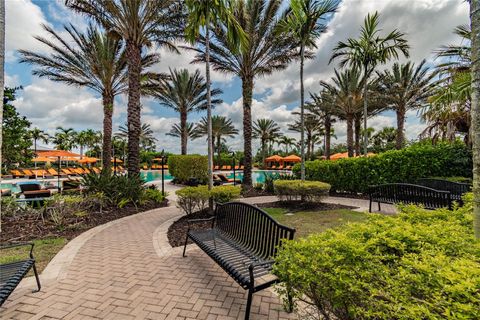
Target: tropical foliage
{"x":267,"y":131}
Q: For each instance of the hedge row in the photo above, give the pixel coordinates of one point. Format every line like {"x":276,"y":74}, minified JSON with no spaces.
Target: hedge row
{"x":309,"y":191}
{"x":192,"y":199}
{"x":185,"y":167}
{"x":419,"y":264}
{"x":407,"y":165}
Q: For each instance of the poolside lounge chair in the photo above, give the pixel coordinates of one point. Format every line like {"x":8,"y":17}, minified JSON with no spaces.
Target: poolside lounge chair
{"x":280,"y":168}
{"x":87,"y":171}
{"x":55,"y":173}
{"x":229,"y":167}
{"x":227,"y":180}
{"x":7,"y":176}
{"x":242,"y":167}
{"x":273,"y":167}
{"x":68,"y":172}
{"x":288,"y":168}
{"x":17,"y":174}
{"x":29,"y":173}
{"x":96,"y":170}
{"x":237,"y":167}
{"x":217,"y":181}
{"x":145,"y":167}
{"x":34,"y":190}
{"x":224,"y":168}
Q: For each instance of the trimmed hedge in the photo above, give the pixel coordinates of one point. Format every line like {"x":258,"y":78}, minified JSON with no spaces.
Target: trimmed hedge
{"x":407,"y":165}
{"x":192,"y":199}
{"x":419,"y":264}
{"x":223,"y":194}
{"x":310,"y":191}
{"x":185,"y":167}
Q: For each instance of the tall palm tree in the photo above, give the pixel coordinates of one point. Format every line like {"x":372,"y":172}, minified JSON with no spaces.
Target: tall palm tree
{"x":311,"y":128}
{"x":185,"y":92}
{"x":346,"y":90}
{"x":65,"y":138}
{"x":92,"y":59}
{"x":322,"y":109}
{"x":140,"y":23}
{"x":475,"y":23}
{"x":287,"y":142}
{"x":222,"y":128}
{"x":177,"y":132}
{"x":38,"y":134}
{"x":147,"y":139}
{"x":263,"y":53}
{"x":306,"y":20}
{"x":2,"y":69}
{"x":368,"y":51}
{"x":267,"y":131}
{"x":407,"y":87}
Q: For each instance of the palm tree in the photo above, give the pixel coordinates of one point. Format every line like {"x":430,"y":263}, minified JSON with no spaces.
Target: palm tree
{"x":311,"y":128}
{"x":38,"y":134}
{"x":267,"y":131}
{"x":306,"y":21}
{"x":475,"y":23}
{"x":65,"y":138}
{"x":322,"y":108}
{"x":407,"y":88}
{"x":94,"y":60}
{"x":2,"y":69}
{"x":222,"y":128}
{"x":208,"y":14}
{"x":263,"y":53}
{"x":177,"y":132}
{"x":185,"y":93}
{"x":140,"y":23}
{"x":147,"y":139}
{"x":346,"y":90}
{"x":367,"y":52}
{"x":287,"y":142}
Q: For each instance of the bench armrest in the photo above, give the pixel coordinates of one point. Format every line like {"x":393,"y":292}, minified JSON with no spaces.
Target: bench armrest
{"x":191,"y":221}
{"x":20,"y":244}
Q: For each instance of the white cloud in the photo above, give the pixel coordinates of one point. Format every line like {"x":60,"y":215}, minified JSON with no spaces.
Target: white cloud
{"x":11,"y":81}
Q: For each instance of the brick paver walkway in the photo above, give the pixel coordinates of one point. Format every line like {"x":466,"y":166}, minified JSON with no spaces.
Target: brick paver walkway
{"x":118,"y":274}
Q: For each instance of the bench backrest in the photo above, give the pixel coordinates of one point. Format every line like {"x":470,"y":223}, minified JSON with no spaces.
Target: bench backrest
{"x":411,"y":194}
{"x":455,"y":188}
{"x":252,"y":228}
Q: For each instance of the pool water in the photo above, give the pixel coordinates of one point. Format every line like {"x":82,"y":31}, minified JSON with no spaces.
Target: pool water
{"x":153,"y":175}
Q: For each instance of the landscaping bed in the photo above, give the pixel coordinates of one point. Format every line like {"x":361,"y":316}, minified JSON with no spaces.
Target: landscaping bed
{"x":178,"y":230}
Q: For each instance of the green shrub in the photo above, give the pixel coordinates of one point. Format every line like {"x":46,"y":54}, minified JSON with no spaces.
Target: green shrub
{"x":418,"y":265}
{"x":310,"y":191}
{"x":185,"y":167}
{"x":154,"y":195}
{"x":223,"y":194}
{"x":191,"y":199}
{"x":119,"y":191}
{"x":406,"y":165}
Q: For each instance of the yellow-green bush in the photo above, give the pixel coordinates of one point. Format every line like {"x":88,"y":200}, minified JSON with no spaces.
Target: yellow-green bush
{"x":310,"y":191}
{"x":223,"y":194}
{"x":185,"y":167}
{"x":418,"y":265}
{"x":191,"y":199}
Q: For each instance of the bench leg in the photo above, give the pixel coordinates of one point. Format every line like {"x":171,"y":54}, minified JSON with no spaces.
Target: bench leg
{"x":370,"y":206}
{"x":379,"y":208}
{"x":249,"y":304}
{"x":36,"y":278}
{"x":185,"y":246}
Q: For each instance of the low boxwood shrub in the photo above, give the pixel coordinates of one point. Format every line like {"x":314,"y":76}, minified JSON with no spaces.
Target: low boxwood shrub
{"x":192,"y":199}
{"x":421,"y":160}
{"x":223,"y":194}
{"x":419,"y":264}
{"x":185,"y":167}
{"x":309,"y":191}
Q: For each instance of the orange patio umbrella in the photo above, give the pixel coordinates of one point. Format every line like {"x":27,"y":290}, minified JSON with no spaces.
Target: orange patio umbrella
{"x":275,"y":158}
{"x":88,"y":160}
{"x":41,"y":159}
{"x":337,"y":156}
{"x":292,"y":158}
{"x":58,"y":154}
{"x":116,"y":160}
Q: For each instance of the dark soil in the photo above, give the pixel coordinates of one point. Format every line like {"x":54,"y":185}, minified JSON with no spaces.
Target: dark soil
{"x":295,"y":206}
{"x":256,"y":193}
{"x":178,"y":230}
{"x":29,"y":226}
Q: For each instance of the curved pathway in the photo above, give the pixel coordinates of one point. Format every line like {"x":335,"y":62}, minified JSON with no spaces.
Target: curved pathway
{"x":126,"y":270}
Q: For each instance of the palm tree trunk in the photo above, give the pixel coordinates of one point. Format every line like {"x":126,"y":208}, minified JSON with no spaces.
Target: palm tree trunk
{"x":365,"y":110}
{"x":209,"y":107}
{"x":400,"y":128}
{"x":219,"y":155}
{"x":328,"y":137}
{"x":107,"y":131}
{"x":475,"y":111}
{"x":302,"y":116}
{"x":264,"y":151}
{"x":133,"y":53}
{"x":184,"y":133}
{"x":2,"y":74}
{"x":358,"y":129}
{"x":247,"y":90}
{"x":350,"y":135}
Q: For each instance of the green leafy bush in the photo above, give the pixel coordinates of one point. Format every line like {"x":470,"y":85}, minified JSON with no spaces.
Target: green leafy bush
{"x":185,"y":167}
{"x":418,"y":265}
{"x":118,"y":190}
{"x":407,"y":165}
{"x":191,"y":199}
{"x":154,"y":195}
{"x":223,"y":194}
{"x":310,"y":191}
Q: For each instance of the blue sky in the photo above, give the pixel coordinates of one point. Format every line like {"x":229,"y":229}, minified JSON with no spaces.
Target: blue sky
{"x":427,"y":24}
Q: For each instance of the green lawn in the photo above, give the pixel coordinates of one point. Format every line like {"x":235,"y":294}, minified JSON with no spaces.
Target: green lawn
{"x":308,"y":222}
{"x":43,"y":251}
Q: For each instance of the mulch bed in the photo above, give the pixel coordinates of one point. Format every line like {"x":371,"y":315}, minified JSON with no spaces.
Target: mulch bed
{"x":295,"y":206}
{"x":26,"y":227}
{"x":178,"y":230}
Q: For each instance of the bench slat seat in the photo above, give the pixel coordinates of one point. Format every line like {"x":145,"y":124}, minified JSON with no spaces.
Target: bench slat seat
{"x":12,"y":273}
{"x":243,"y":240}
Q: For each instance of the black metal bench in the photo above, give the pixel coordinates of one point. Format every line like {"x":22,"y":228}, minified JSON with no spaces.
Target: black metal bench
{"x":457,"y":190}
{"x":409,"y":194}
{"x":13,"y":272}
{"x":243,"y":240}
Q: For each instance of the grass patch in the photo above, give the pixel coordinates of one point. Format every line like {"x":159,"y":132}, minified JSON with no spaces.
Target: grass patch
{"x":43,"y":251}
{"x":308,"y":222}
